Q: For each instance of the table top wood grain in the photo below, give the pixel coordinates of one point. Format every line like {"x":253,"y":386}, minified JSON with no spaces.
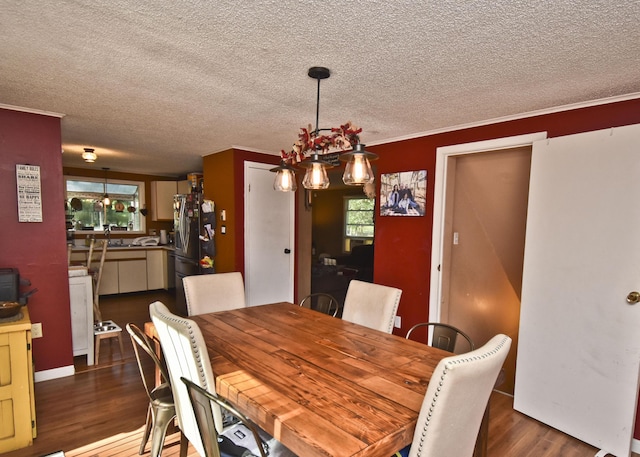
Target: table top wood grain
{"x":320,"y":385}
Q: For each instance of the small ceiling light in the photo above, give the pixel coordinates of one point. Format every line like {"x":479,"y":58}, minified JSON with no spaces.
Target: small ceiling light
{"x":358,"y":170}
{"x":285,"y":178}
{"x":89,"y":156}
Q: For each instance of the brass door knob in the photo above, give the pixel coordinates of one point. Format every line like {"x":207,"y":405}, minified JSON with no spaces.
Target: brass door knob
{"x":633,"y":297}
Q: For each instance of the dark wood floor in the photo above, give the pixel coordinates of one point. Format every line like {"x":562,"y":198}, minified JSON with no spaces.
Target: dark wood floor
{"x":107,"y":402}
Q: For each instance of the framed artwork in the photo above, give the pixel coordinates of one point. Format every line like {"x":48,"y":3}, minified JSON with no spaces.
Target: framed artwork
{"x":403,"y":193}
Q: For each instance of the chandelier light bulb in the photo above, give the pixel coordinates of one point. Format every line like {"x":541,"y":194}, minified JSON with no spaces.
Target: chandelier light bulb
{"x":358,"y":169}
{"x":316,"y":177}
{"x":285,"y":180}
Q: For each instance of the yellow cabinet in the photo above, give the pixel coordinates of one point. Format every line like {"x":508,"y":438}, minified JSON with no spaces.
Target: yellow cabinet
{"x":17,"y":404}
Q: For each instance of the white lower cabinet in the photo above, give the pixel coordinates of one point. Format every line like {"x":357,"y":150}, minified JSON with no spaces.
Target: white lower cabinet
{"x":109,"y":281}
{"x":157,"y":270}
{"x":132,"y":275}
{"x":130,"y":269}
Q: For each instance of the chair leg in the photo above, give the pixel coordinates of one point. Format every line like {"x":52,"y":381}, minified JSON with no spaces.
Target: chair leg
{"x":184,"y":445}
{"x":97,"y":349}
{"x":147,"y":431}
{"x":121,"y":348}
{"x":161,"y":420}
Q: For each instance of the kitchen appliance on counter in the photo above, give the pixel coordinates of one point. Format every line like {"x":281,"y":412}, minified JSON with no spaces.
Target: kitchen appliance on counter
{"x":194,"y":226}
{"x":10,"y":295}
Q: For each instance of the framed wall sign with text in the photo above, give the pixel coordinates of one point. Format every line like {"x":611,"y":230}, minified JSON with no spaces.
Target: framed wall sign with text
{"x":29,"y":193}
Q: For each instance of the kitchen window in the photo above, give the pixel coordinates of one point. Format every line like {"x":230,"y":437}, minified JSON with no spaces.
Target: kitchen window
{"x":86,"y":212}
{"x":358,"y":221}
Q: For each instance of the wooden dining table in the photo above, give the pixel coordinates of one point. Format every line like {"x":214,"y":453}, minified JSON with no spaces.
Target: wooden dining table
{"x":320,"y":385}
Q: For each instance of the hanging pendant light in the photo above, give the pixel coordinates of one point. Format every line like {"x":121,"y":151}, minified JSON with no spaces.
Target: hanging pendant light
{"x":285,"y":178}
{"x":316,"y":176}
{"x":308,"y":150}
{"x":106,"y":201}
{"x":358,"y":169}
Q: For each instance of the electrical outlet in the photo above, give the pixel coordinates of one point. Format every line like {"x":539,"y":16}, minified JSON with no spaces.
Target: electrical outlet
{"x":36,"y":330}
{"x":398,"y":322}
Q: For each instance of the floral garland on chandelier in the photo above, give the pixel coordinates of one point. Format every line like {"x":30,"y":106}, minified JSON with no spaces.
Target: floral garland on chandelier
{"x":309,"y":142}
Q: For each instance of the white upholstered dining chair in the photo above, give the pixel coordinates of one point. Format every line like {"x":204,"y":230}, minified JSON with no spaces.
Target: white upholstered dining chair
{"x":456,"y":399}
{"x":214,"y":292}
{"x":185,"y":354}
{"x":371,"y":305}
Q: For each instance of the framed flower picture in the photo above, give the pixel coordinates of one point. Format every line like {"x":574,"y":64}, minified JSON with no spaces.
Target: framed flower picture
{"x":403,"y":193}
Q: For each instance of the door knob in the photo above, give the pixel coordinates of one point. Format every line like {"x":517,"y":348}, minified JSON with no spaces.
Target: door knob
{"x":633,"y":297}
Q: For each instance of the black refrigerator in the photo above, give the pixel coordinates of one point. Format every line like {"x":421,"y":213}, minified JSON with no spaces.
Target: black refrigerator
{"x":194,"y":225}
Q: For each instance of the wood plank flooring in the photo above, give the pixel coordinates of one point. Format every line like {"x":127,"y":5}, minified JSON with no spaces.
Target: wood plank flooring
{"x":100,"y":411}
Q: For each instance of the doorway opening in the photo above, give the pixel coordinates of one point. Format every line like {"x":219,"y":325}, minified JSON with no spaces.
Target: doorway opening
{"x":342,"y":236}
{"x":480,"y":214}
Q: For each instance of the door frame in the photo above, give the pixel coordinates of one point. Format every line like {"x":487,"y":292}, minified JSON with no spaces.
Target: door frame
{"x":439,"y":202}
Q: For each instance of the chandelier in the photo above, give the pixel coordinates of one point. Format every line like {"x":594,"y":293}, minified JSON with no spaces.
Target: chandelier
{"x":309,"y":150}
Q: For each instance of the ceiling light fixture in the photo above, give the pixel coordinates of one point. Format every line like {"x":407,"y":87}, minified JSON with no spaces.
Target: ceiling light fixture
{"x":89,"y":156}
{"x":106,"y":201}
{"x":309,"y":149}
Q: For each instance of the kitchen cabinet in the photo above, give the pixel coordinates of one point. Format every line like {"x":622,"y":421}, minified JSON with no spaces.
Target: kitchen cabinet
{"x":81,"y":301}
{"x":131,"y":269}
{"x":184,"y":187}
{"x":17,"y":401}
{"x":109,"y":280}
{"x":132,"y":275}
{"x":157,"y":269}
{"x":162,"y":193}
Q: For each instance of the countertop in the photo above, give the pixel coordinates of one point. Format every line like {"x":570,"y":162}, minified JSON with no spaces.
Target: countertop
{"x":166,"y":247}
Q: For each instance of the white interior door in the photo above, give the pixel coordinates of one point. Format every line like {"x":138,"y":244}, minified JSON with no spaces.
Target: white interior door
{"x":269,"y":239}
{"x":579,"y":348}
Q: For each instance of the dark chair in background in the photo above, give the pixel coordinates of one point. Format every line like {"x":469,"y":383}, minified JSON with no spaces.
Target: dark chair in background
{"x":444,"y":336}
{"x":324,"y":303}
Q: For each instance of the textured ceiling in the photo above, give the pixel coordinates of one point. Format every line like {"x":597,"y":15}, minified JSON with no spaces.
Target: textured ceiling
{"x":155,"y":85}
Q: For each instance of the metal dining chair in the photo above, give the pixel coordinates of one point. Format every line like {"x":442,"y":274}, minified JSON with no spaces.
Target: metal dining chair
{"x":371,"y":305}
{"x":322,"y":302}
{"x":212,"y":442}
{"x":443,"y":336}
{"x":161,"y":410}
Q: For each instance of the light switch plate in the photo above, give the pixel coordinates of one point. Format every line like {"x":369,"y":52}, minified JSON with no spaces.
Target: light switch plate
{"x":398,"y":322}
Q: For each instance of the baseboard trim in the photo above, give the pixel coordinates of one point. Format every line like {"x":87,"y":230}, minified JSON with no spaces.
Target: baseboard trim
{"x":635,"y":446}
{"x":54,"y":373}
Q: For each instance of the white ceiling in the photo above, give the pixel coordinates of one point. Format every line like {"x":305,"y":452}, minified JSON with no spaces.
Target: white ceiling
{"x":155,"y":85}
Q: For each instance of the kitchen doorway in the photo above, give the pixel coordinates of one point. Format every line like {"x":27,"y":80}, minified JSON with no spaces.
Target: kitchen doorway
{"x":479,"y":230}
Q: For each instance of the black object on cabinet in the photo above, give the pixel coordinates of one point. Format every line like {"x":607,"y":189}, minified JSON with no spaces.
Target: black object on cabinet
{"x":194,"y":225}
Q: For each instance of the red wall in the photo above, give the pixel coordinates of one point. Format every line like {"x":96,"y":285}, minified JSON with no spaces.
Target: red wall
{"x":406,"y":241}
{"x":37,"y":249}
